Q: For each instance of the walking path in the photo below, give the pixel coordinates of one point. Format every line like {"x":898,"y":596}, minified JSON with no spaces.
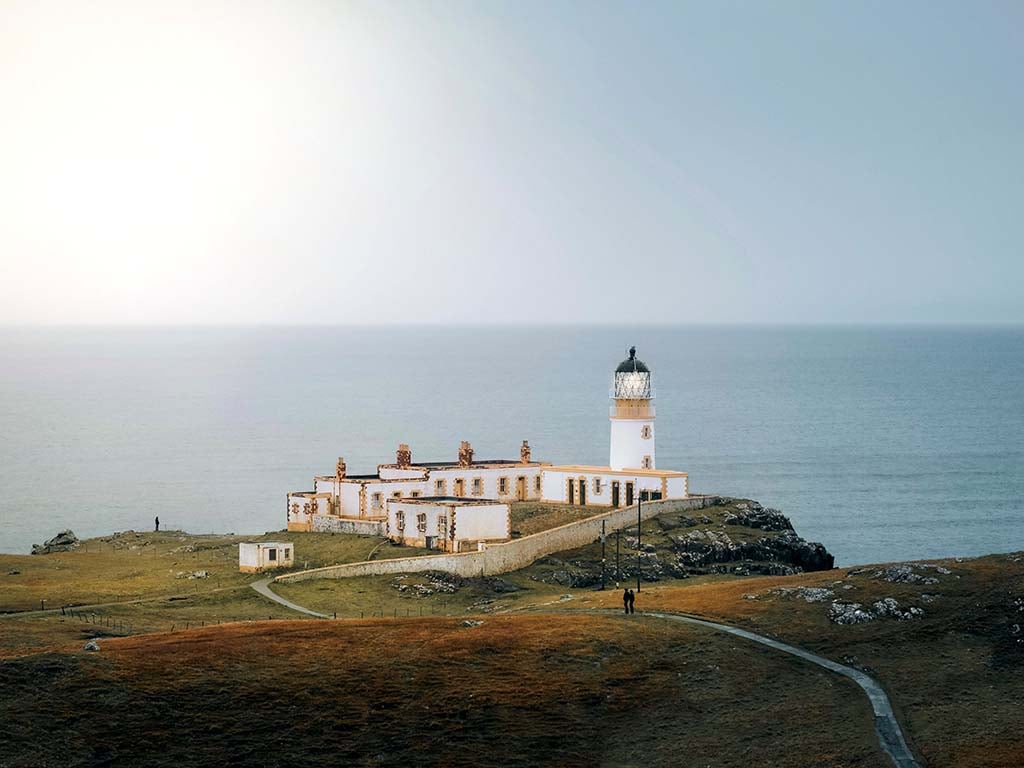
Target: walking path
{"x":890,"y":736}
{"x":262,"y":586}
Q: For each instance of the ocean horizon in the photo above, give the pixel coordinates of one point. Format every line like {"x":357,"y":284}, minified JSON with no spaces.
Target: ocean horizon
{"x":884,"y":442}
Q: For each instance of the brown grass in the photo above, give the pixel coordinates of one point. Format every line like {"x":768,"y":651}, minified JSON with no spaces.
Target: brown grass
{"x":956,"y":676}
{"x":552,"y":690}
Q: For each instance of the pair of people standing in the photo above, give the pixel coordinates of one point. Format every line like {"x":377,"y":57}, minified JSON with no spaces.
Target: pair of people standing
{"x":628,"y":598}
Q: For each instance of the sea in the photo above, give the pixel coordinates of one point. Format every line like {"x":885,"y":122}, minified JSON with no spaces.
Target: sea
{"x":883,"y":443}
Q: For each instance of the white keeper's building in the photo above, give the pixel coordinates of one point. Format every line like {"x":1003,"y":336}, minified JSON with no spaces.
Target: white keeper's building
{"x":455,"y":505}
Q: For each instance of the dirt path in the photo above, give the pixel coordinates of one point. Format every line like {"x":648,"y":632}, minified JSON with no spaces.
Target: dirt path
{"x":263,"y":587}
{"x":890,"y":736}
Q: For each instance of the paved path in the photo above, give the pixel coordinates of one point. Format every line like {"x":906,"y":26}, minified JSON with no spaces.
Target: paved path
{"x":262,"y":586}
{"x":890,"y":736}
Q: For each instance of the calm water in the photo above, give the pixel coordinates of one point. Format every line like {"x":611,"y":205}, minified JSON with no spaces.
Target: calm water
{"x":883,"y":443}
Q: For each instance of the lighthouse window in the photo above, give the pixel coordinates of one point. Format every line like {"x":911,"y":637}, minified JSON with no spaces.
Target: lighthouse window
{"x":597,"y":485}
{"x":647,"y":462}
{"x":502,"y":485}
{"x":478,"y":486}
{"x":645,"y":433}
{"x":536,"y":483}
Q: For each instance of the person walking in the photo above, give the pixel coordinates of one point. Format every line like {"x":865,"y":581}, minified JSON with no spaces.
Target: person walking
{"x":632,"y":600}
{"x":156,"y":522}
{"x":625,"y":600}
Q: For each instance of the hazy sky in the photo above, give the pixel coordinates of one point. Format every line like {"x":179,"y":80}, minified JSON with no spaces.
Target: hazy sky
{"x":338,"y":162}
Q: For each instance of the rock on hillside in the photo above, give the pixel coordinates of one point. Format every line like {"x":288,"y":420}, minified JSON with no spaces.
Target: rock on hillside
{"x":739,"y":537}
{"x":65,"y":541}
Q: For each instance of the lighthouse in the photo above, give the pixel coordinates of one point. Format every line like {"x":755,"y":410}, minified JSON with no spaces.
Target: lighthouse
{"x":632,"y":416}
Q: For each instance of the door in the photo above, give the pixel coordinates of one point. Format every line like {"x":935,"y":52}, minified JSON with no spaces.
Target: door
{"x":615,"y":494}
{"x":583,"y":492}
{"x":520,"y":488}
{"x":629,"y":494}
{"x":572,"y":490}
{"x":431,"y":542}
{"x":460,"y":486}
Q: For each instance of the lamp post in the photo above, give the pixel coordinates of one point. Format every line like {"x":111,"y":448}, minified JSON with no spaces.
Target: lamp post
{"x":638,"y":548}
{"x":618,"y":567}
{"x":603,"y":537}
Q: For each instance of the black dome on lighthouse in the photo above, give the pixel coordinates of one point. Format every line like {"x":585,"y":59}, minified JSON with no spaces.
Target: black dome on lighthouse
{"x":631,"y":364}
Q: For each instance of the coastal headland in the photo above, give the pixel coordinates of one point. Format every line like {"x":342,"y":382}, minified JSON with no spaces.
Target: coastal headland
{"x":539,"y":658}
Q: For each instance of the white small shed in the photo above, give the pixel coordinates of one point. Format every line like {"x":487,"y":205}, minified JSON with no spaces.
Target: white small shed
{"x":264,"y":555}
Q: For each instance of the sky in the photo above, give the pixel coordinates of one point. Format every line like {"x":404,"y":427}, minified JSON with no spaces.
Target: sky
{"x":522,"y":162}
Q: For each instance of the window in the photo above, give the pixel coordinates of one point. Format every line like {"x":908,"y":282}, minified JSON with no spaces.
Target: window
{"x":271,"y":555}
{"x":478,"y":486}
{"x":502,"y":485}
{"x":400,"y":520}
{"x":536,"y":483}
{"x":597,"y":485}
{"x":377,"y":500}
{"x":442,"y":527}
{"x":414,"y":494}
{"x":287,"y":553}
{"x":396,"y":495}
{"x":439,"y":488}
{"x":645,"y":433}
{"x":295,"y":509}
{"x":421,"y":522}
{"x":647,"y":462}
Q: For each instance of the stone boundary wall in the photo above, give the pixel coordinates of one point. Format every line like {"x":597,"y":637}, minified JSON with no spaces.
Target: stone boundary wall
{"x":326,"y":524}
{"x":510,"y":555}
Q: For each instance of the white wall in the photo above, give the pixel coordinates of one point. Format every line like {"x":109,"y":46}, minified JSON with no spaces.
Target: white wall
{"x":393,"y":473}
{"x":628,"y":445}
{"x":411,"y":532}
{"x":350,"y":499}
{"x":482,"y":521}
{"x":490,"y":477}
{"x":678,"y":487}
{"x":472,"y":521}
{"x":248,"y":555}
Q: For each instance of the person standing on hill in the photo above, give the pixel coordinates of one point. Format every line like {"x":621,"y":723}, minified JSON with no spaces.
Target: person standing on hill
{"x":156,"y":522}
{"x":632,"y":599}
{"x":625,"y":600}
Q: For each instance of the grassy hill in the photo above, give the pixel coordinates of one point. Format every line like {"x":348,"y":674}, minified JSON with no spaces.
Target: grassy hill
{"x":531,"y":690}
{"x":543,"y":681}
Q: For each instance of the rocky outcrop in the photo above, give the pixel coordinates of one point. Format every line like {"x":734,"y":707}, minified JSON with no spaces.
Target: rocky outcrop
{"x":752,"y":515}
{"x":886,"y":608}
{"x":699,"y":549}
{"x":738,"y":537}
{"x":65,"y":541}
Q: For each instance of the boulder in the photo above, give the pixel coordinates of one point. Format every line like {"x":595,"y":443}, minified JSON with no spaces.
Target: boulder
{"x":92,"y":645}
{"x":65,"y":541}
{"x":848,"y":613}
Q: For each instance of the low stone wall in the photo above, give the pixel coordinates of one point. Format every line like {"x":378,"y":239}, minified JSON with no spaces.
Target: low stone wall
{"x":510,"y":555}
{"x":327,"y":524}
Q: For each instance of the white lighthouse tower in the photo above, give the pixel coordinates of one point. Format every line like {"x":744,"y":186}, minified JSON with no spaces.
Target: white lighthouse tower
{"x":632,"y":416}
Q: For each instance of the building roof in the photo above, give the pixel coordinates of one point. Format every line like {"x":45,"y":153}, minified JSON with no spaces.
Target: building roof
{"x":631,"y":364}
